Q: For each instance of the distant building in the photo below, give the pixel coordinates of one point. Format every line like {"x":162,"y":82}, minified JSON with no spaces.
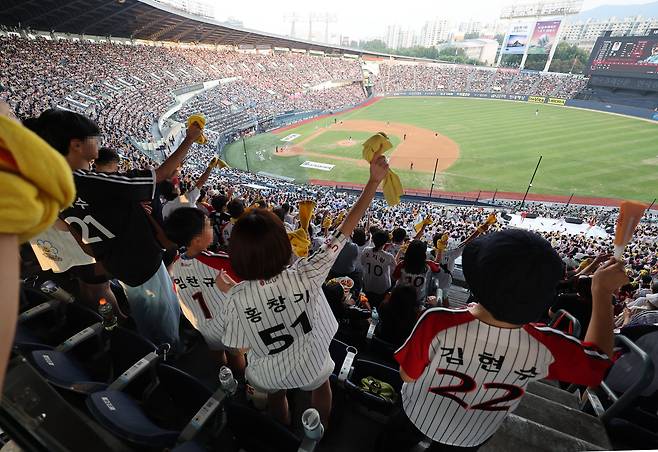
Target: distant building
{"x":585,"y":33}
{"x":483,"y":50}
{"x":470,"y":27}
{"x":434,"y":32}
{"x":396,"y":37}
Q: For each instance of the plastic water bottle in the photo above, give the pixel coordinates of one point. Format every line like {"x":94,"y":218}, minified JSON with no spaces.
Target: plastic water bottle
{"x":106,"y":311}
{"x":313,"y":428}
{"x":374,"y":316}
{"x":226,"y":381}
{"x":374,"y":320}
{"x":52,"y":289}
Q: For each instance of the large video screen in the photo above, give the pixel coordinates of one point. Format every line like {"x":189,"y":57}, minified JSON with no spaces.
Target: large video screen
{"x":630,"y":56}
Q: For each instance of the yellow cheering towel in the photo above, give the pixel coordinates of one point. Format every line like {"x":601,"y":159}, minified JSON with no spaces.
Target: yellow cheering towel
{"x":339,"y":219}
{"x":442,"y":244}
{"x":199,"y":120}
{"x":305,"y":213}
{"x":491,"y":219}
{"x":36,"y":181}
{"x":299,"y":238}
{"x":327,"y":222}
{"x":377,"y":145}
{"x":300,"y":242}
{"x":426,"y":222}
{"x":216,"y":162}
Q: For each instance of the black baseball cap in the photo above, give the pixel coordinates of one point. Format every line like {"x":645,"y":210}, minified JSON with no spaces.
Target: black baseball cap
{"x":512,"y":273}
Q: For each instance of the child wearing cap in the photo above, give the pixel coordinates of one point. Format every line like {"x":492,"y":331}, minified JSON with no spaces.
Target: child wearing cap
{"x":466,"y":369}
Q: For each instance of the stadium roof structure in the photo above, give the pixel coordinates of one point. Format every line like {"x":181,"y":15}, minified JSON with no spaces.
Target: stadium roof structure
{"x":148,"y":20}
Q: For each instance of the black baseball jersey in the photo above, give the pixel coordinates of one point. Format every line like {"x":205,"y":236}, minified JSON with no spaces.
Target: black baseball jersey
{"x":109,"y":218}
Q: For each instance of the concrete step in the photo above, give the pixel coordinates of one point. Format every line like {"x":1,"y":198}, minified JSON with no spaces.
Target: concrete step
{"x":523,"y":435}
{"x":553,"y":394}
{"x":563,"y":419}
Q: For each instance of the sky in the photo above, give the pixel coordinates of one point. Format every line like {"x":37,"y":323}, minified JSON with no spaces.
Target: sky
{"x":360,"y":19}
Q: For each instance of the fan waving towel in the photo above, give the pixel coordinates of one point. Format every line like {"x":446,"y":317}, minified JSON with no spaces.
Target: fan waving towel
{"x":36,"y":181}
{"x":299,"y":238}
{"x":377,"y":145}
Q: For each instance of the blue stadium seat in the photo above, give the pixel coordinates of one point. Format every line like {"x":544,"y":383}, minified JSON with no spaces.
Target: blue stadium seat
{"x":166,"y":405}
{"x":91,"y":370}
{"x":124,"y":417}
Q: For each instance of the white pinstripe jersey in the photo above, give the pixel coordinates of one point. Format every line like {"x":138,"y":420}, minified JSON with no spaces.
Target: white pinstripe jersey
{"x":286,"y":321}
{"x":199,"y":298}
{"x":377,"y":267}
{"x":470,"y":375}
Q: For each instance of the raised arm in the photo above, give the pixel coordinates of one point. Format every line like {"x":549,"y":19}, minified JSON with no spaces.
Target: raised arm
{"x":201,"y":181}
{"x":172,"y":162}
{"x":606,"y":280}
{"x":378,"y":170}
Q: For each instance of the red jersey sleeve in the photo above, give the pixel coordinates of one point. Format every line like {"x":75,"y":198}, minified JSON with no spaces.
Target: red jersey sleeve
{"x":414,"y":355}
{"x":575,"y":361}
{"x":398,"y":271}
{"x":433,"y":266}
{"x":219,"y":261}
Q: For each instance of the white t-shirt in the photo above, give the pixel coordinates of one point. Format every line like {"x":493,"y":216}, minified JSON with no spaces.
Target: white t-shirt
{"x":199,"y":298}
{"x":286,"y":322}
{"x":377,"y":268}
{"x":189,"y":199}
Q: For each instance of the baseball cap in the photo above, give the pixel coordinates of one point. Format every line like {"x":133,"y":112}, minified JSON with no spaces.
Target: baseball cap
{"x":512,"y":273}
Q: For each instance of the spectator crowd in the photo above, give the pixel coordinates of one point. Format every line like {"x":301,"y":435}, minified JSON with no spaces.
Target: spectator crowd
{"x":455,"y":78}
{"x":273,"y":271}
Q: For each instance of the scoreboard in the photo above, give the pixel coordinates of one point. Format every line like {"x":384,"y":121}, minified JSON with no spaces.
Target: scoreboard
{"x":627,"y":56}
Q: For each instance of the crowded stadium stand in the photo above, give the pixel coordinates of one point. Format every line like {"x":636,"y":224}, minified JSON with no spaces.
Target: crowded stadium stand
{"x":391,"y":327}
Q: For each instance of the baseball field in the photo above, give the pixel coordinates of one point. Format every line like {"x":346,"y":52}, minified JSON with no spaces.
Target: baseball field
{"x":475,"y":144}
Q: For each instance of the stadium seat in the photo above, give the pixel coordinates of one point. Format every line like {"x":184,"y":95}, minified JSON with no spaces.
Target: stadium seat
{"x":91,"y":370}
{"x":564,"y":321}
{"x":617,"y":400}
{"x":166,"y":405}
{"x":47,"y":325}
{"x":364,"y":368}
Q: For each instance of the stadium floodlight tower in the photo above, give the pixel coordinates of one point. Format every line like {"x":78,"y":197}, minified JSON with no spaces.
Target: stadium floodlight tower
{"x":557,"y":10}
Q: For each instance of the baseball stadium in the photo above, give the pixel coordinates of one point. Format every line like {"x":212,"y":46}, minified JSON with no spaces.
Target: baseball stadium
{"x":221,"y":238}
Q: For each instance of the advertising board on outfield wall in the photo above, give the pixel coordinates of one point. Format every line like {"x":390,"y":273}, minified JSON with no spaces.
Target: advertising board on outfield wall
{"x":533,"y":99}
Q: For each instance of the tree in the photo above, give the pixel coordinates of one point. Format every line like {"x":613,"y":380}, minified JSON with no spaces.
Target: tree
{"x":569,"y":58}
{"x":375,"y":45}
{"x":473,"y":35}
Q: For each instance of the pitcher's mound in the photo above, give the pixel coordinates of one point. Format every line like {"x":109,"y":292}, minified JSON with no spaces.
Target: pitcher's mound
{"x":345,"y":143}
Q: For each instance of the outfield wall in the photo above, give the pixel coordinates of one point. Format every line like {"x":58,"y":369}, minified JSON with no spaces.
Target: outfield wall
{"x":589,"y":105}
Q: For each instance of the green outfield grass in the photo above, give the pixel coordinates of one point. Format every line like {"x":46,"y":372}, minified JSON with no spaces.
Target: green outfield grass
{"x":586,"y":152}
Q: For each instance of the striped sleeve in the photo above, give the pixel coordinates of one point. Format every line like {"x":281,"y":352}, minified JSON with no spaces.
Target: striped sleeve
{"x":137,"y":185}
{"x":316,"y":266}
{"x":575,"y":361}
{"x":414,"y":355}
